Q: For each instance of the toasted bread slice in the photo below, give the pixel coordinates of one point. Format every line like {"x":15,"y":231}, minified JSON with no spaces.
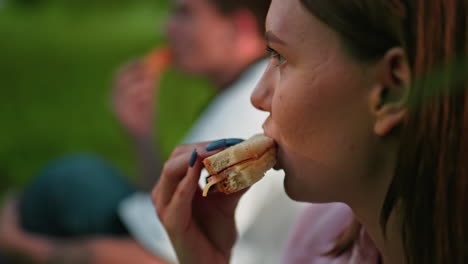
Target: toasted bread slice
{"x":240,"y":166}
{"x":246,"y":173}
{"x":252,"y":148}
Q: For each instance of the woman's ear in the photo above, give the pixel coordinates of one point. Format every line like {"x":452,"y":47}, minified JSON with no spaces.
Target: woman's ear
{"x":388,"y":95}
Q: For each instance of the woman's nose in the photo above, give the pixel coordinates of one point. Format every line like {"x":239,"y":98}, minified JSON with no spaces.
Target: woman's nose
{"x":262,"y":96}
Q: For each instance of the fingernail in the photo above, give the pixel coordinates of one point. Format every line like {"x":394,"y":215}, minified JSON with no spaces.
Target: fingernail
{"x":222,"y":143}
{"x":233,"y":141}
{"x":216,"y":145}
{"x":193,"y":158}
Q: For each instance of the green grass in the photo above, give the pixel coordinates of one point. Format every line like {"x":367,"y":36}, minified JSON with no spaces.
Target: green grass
{"x":56,"y":72}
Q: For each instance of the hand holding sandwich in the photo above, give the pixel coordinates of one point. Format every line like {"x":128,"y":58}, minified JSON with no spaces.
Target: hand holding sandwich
{"x":202,"y":229}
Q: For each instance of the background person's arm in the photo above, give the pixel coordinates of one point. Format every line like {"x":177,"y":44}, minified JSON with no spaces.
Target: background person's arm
{"x":89,"y":251}
{"x":135,"y":93}
{"x":15,"y":242}
{"x":40,"y":249}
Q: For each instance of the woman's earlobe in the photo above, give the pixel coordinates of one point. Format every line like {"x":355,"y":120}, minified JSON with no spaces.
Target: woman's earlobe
{"x":389,"y":117}
{"x":388,"y":112}
{"x":389,"y":95}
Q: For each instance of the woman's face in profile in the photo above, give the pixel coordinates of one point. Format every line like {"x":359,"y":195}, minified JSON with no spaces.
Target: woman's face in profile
{"x":317,"y":96}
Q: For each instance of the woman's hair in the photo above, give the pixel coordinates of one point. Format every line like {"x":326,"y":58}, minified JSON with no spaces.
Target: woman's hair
{"x":259,"y":9}
{"x":430,"y":186}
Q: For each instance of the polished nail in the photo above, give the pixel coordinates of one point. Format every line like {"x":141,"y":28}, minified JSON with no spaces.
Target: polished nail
{"x":216,"y":145}
{"x":233,"y":141}
{"x":193,"y":158}
{"x":222,"y":143}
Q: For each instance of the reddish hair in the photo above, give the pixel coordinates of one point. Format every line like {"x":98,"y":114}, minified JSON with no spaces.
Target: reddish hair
{"x":431,"y":179}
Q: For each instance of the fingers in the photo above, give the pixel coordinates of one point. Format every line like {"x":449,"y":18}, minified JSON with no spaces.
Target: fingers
{"x":176,"y":169}
{"x":177,"y":178}
{"x":131,"y":73}
{"x":173,"y":172}
{"x":182,"y":149}
{"x":133,"y":98}
{"x":9,"y":216}
{"x":181,"y":203}
{"x":223,"y":143}
{"x":9,"y":209}
{"x":134,"y":85}
{"x":200,"y":147}
{"x":133,"y":80}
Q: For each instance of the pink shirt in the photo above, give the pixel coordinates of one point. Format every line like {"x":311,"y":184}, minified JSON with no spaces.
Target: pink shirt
{"x":315,"y":234}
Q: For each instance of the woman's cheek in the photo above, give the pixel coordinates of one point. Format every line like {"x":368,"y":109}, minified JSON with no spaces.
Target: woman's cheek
{"x":284,"y":125}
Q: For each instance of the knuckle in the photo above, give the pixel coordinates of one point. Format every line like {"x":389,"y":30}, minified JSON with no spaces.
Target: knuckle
{"x":154,"y":195}
{"x":180,"y":150}
{"x":168,"y":168}
{"x":181,"y":192}
{"x":177,"y":151}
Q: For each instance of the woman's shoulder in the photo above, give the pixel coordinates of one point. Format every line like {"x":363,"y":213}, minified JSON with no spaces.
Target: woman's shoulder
{"x":315,"y":234}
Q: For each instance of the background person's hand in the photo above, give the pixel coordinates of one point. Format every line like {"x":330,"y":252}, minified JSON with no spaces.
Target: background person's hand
{"x":202,"y":229}
{"x":11,"y":235}
{"x":136,"y":89}
{"x":15,"y":241}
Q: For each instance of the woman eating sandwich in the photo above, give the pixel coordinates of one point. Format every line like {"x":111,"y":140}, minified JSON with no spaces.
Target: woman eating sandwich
{"x":368,"y":108}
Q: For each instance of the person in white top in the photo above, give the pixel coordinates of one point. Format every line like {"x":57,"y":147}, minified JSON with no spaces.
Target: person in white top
{"x":83,"y":197}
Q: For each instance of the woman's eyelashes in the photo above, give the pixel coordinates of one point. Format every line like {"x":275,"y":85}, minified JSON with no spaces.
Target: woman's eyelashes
{"x":278,"y":58}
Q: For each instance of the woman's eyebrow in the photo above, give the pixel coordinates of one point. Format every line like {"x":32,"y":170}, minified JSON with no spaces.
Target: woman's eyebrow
{"x":272,"y":38}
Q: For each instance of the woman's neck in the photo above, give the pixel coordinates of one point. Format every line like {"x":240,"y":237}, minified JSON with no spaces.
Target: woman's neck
{"x":390,"y":245}
{"x":367,"y":206}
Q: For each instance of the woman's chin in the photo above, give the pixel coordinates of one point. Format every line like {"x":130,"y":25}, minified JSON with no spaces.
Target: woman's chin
{"x":290,"y":191}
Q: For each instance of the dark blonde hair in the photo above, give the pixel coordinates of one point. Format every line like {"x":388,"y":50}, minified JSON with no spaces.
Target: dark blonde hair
{"x":430,"y":184}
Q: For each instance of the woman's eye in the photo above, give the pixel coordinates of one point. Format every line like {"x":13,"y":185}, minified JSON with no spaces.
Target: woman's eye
{"x":276,"y":56}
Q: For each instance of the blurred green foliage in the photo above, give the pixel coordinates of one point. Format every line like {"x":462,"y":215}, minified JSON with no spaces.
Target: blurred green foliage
{"x":57,"y":63}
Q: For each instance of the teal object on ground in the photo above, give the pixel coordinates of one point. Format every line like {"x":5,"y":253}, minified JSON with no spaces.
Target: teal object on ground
{"x":75,"y":196}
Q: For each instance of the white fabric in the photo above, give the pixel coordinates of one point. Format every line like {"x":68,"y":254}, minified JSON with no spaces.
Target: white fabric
{"x":264,"y":214}
{"x":139,"y":216}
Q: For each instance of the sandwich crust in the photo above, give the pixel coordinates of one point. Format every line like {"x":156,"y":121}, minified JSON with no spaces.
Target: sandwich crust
{"x":241,"y":166}
{"x":247,"y":173}
{"x":249,"y":149}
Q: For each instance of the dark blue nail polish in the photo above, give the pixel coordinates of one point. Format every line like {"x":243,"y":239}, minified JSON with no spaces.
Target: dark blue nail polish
{"x":216,"y":145}
{"x":193,"y":158}
{"x":233,"y":141}
{"x":223,"y":143}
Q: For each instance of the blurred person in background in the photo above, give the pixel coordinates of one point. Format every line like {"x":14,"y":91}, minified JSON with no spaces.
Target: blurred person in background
{"x":82,"y":209}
